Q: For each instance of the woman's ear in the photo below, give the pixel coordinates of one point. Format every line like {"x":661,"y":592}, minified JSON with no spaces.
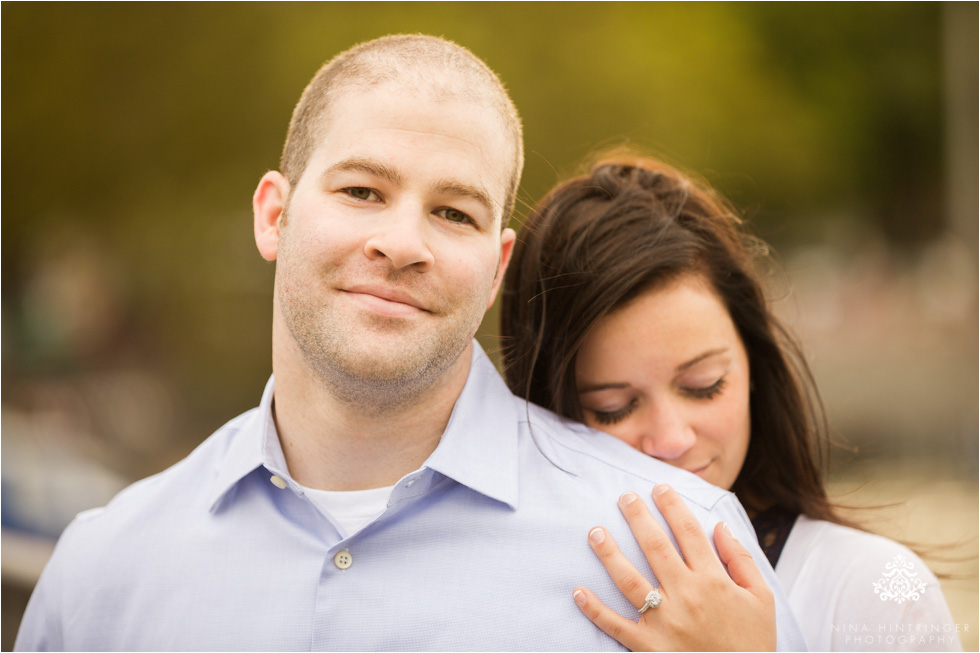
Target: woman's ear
{"x":268,"y":204}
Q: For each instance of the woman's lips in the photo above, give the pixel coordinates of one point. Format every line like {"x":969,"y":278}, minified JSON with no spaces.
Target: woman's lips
{"x":699,"y":470}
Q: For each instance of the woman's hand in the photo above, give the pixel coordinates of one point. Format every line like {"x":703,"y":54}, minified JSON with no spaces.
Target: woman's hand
{"x":704,"y":606}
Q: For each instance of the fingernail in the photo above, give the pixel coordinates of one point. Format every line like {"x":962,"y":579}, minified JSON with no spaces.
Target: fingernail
{"x":627,"y":498}
{"x":660,"y":488}
{"x":596,"y":536}
{"x":727,"y":530}
{"x":579,"y":597}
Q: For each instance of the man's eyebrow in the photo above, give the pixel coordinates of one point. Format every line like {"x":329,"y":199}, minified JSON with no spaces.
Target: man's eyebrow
{"x":369,"y":166}
{"x":459,"y":189}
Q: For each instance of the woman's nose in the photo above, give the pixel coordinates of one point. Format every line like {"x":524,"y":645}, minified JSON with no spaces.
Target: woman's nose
{"x":668,"y":435}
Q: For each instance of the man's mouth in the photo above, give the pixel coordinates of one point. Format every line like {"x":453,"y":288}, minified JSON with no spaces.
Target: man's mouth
{"x":391,"y":302}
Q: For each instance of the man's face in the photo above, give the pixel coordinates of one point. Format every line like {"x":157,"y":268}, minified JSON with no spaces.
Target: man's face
{"x":388,"y":251}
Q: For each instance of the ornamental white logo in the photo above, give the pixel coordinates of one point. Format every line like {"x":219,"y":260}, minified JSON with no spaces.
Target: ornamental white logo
{"x":899,"y":582}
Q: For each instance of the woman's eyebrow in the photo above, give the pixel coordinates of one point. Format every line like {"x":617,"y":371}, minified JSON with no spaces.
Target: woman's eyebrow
{"x":697,"y":359}
{"x":598,"y":387}
{"x":602,"y":386}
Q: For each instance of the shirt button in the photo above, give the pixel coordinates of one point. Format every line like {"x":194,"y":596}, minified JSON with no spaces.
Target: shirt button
{"x":278,"y":482}
{"x":343,"y":560}
{"x":410,"y":483}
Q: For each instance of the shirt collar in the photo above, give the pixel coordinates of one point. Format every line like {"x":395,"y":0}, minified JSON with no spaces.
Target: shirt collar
{"x":254,"y":443}
{"x":478,"y":448}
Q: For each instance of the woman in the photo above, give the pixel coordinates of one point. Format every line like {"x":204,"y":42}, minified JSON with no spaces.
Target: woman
{"x":632,"y":305}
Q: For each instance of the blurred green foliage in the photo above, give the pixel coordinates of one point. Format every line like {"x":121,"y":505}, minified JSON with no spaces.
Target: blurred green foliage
{"x":135,"y":134}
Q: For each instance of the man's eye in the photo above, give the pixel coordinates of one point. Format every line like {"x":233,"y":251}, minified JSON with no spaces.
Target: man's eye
{"x":454,"y":215}
{"x":361,"y":193}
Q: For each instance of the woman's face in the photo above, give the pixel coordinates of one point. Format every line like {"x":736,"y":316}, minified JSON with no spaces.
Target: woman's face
{"x":667,"y":374}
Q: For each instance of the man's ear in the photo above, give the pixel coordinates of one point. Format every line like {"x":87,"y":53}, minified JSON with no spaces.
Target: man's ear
{"x":507,"y":238}
{"x":267,"y":206}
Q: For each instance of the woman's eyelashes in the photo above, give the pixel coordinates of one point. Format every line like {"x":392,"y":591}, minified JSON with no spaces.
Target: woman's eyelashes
{"x":612,"y":416}
{"x":706,"y":393}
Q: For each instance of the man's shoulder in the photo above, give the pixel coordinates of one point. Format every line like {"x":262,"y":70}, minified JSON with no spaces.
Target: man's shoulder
{"x":183,"y":486}
{"x":595,"y":456}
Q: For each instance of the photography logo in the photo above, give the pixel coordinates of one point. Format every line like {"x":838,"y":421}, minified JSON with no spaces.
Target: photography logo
{"x":899,"y":583}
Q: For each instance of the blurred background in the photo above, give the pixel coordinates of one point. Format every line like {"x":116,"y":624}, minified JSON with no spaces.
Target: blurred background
{"x":136,"y":312}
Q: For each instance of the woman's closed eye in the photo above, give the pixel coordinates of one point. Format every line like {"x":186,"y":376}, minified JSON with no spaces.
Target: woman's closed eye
{"x":607,"y":417}
{"x":707,"y":392}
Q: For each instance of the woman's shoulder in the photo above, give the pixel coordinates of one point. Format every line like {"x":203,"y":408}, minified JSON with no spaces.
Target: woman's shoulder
{"x":848,"y":556}
{"x":842,"y":545}
{"x":862,"y":591}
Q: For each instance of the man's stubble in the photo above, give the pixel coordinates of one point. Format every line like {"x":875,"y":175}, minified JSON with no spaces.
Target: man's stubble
{"x":376,"y":363}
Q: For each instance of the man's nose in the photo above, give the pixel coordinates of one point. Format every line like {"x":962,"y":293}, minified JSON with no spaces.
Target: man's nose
{"x":668,"y":434}
{"x":401,"y":237}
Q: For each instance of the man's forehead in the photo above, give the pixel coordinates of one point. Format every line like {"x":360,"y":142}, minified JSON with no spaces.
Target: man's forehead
{"x":406,"y":100}
{"x":401,"y":96}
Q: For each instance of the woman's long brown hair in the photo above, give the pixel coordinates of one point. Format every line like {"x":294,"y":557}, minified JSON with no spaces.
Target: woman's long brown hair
{"x":632,"y":224}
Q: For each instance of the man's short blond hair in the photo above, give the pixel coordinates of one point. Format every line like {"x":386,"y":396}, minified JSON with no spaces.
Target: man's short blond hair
{"x":417,"y":61}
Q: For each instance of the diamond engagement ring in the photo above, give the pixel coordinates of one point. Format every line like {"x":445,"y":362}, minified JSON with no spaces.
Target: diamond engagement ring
{"x":653,"y":600}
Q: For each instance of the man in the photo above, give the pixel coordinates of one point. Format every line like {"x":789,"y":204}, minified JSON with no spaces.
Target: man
{"x":388,"y":492}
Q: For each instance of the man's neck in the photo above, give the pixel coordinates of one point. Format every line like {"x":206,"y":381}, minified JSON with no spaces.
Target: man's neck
{"x":332,"y":444}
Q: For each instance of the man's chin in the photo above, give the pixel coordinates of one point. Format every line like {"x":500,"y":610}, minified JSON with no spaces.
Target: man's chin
{"x":399,"y":359}
{"x":391,"y":359}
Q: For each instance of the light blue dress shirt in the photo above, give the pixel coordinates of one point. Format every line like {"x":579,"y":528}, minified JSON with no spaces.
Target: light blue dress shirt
{"x":477,"y":550}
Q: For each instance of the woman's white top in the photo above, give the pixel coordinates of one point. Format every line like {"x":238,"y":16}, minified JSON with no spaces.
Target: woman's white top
{"x":855,"y":591}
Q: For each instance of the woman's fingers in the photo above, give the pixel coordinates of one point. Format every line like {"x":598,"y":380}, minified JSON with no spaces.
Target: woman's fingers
{"x":687,"y":529}
{"x":703,"y":608}
{"x":664,"y":559}
{"x":626,"y":632}
{"x":741,"y":566}
{"x":630,"y":582}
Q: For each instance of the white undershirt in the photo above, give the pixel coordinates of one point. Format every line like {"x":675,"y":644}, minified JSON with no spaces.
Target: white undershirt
{"x":353,"y":509}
